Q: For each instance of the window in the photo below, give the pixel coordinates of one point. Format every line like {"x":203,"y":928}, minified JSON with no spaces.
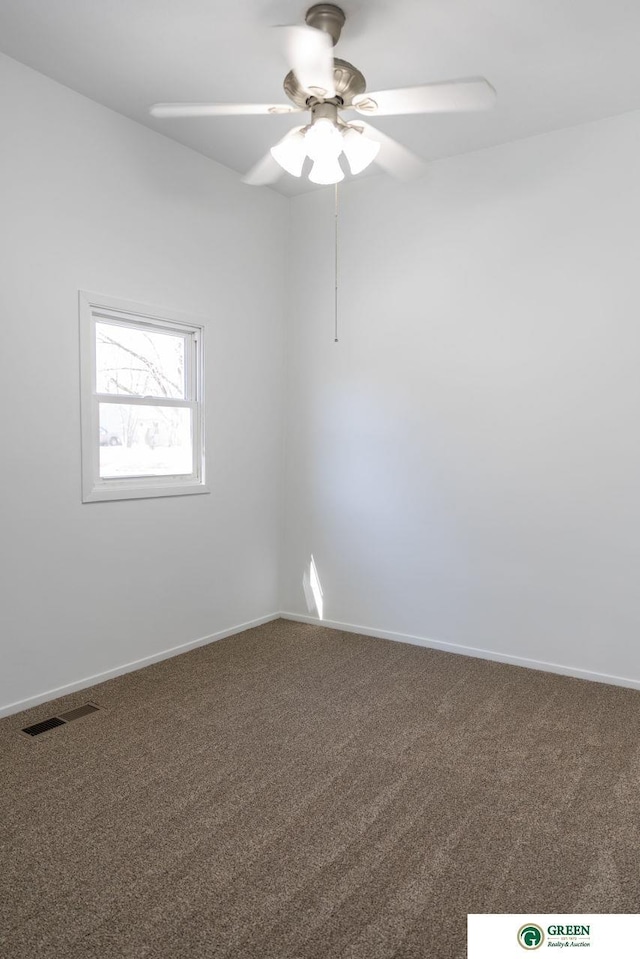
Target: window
{"x":142,"y":401}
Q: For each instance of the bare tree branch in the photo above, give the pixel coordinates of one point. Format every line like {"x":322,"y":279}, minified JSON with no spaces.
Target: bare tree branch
{"x":160,"y":377}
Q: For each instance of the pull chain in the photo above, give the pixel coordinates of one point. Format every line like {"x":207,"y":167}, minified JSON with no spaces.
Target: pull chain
{"x":335,"y":303}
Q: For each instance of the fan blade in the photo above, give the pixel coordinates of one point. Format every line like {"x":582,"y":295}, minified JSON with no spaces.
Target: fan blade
{"x":392,"y":156}
{"x":265,"y":171}
{"x":220,"y":109}
{"x":456,"y":96}
{"x":268,"y":170}
{"x":309,"y":53}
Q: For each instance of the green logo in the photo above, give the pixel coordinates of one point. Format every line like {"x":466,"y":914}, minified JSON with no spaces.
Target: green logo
{"x":530,"y":936}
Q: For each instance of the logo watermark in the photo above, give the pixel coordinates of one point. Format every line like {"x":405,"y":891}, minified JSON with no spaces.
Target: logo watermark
{"x":509,"y":935}
{"x":530,"y":936}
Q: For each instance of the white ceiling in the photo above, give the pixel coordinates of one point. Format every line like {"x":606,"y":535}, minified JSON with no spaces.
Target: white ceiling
{"x":554,"y":63}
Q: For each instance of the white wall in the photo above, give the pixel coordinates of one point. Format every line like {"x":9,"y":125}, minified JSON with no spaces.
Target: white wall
{"x":465,"y":464}
{"x":90,"y":200}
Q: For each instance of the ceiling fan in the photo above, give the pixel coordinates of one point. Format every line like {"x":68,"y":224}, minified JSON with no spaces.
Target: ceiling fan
{"x":326,"y":88}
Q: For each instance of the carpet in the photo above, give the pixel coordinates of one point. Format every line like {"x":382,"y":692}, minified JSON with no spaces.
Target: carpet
{"x":295,"y":792}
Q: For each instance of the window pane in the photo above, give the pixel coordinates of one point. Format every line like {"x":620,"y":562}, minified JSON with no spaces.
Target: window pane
{"x":139,"y":362}
{"x":145,"y":440}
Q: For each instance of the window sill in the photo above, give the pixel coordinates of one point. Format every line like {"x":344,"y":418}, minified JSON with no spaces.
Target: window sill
{"x":105,"y":493}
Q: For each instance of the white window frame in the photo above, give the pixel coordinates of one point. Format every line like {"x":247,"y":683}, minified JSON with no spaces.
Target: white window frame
{"x":94,"y":307}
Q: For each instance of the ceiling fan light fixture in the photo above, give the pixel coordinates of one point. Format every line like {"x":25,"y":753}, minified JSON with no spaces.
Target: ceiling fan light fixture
{"x":359,"y":149}
{"x":290,"y":153}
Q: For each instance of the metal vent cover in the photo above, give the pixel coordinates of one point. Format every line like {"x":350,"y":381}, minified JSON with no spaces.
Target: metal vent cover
{"x":42,"y":727}
{"x":79,"y":712}
{"x":61,"y":720}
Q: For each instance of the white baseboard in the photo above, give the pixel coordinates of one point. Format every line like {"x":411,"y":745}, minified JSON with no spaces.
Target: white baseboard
{"x":469,"y":651}
{"x":50,"y":694}
{"x":456,"y":648}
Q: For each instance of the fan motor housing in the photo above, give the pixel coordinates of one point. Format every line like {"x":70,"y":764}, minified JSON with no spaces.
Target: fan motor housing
{"x":349,"y":83}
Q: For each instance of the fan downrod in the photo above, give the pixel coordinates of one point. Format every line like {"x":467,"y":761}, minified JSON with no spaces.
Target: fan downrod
{"x":326,"y":17}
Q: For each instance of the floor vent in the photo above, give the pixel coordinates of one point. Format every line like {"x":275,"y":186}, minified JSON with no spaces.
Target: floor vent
{"x":42,"y":727}
{"x":60,"y":720}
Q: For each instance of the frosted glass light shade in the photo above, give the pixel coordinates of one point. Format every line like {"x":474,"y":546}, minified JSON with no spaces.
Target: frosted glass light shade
{"x":323,"y":141}
{"x":291,"y":152}
{"x":359,"y":150}
{"x":326,"y":171}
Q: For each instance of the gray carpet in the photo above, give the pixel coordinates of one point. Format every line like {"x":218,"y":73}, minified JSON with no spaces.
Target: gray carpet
{"x":299,"y":792}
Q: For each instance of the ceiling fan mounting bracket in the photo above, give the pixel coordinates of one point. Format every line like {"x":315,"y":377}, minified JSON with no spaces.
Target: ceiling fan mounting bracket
{"x":326,"y":17}
{"x":348,"y":80}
